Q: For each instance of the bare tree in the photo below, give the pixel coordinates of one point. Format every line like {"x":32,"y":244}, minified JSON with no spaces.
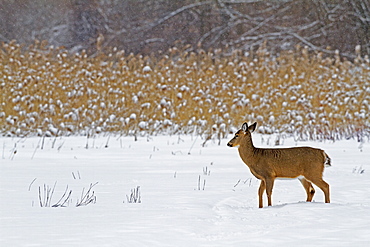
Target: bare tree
{"x":359,"y":16}
{"x":26,"y":20}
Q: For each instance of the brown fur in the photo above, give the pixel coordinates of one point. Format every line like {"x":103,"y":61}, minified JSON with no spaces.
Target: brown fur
{"x":307,"y":163}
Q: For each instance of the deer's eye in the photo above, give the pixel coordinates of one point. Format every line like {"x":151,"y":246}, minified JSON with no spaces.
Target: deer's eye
{"x":236,"y":135}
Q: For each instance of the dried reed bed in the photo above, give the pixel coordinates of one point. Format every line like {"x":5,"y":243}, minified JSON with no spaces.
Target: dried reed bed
{"x":48,"y":91}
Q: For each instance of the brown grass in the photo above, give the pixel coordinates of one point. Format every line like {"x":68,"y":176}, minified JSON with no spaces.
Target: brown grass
{"x":48,"y":91}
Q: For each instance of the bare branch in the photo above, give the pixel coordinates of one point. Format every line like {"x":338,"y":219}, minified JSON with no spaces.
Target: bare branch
{"x":171,"y":15}
{"x":314,"y":47}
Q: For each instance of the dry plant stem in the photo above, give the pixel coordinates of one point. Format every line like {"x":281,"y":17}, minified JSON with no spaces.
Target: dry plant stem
{"x":29,"y":187}
{"x":47,"y":195}
{"x":87,"y":198}
{"x":34,"y":152}
{"x":3,"y":155}
{"x":201,"y":186}
{"x":64,"y":198}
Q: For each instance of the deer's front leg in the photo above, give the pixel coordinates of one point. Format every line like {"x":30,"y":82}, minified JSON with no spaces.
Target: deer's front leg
{"x":260,"y":193}
{"x":269,"y":184}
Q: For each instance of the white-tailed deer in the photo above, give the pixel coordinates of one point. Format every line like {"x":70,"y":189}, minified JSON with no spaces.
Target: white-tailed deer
{"x":267,"y":164}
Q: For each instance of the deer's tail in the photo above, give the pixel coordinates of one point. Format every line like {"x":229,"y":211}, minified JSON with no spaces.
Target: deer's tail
{"x":327,"y":162}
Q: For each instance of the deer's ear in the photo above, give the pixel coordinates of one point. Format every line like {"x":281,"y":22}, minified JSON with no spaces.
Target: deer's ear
{"x":252,"y":127}
{"x":245,"y":127}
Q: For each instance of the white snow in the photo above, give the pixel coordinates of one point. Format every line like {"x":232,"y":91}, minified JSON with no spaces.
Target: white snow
{"x":191,"y":195}
{"x":147,"y":69}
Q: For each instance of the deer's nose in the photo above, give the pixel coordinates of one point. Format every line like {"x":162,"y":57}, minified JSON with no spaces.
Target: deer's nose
{"x":229,"y":144}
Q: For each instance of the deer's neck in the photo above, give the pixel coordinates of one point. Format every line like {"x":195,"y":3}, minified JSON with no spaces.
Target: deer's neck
{"x":246,"y":150}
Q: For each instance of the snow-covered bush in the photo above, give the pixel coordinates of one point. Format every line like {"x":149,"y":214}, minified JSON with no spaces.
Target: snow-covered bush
{"x":47,"y":91}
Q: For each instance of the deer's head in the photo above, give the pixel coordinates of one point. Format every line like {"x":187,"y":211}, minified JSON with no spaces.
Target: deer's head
{"x":240,"y":135}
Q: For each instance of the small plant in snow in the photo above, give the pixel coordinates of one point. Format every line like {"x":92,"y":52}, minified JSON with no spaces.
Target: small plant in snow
{"x":201,"y":183}
{"x":46,"y":196}
{"x":135,"y":196}
{"x":248,"y":182}
{"x":76,"y":176}
{"x":358,"y":170}
{"x":206,"y":171}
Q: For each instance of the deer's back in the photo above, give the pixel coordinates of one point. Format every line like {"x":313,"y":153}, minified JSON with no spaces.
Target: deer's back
{"x":287,"y":162}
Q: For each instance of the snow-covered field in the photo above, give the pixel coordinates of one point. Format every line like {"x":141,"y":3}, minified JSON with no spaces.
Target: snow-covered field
{"x":190,"y":195}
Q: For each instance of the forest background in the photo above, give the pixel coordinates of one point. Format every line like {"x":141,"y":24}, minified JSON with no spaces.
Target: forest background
{"x":143,"y":26}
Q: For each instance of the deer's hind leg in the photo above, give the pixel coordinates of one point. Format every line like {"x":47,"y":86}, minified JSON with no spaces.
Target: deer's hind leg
{"x":310,"y":191}
{"x":324,"y":186}
{"x":316,"y":178}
